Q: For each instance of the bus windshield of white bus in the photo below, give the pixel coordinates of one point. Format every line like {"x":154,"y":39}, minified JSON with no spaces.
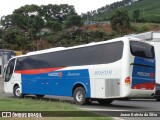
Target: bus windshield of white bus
{"x":9,"y":70}
{"x":141,"y":49}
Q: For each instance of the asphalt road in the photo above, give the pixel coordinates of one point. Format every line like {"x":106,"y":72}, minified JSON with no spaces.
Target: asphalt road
{"x":133,"y":105}
{"x":2,"y":94}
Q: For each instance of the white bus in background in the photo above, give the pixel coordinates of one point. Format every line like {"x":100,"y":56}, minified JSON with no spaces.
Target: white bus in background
{"x":102,"y":71}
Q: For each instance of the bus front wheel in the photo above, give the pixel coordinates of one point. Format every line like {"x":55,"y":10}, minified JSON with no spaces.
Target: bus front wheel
{"x":79,"y":96}
{"x":17,"y":92}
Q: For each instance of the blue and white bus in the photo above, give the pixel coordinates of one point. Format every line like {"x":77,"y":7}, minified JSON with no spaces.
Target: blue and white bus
{"x":102,"y":71}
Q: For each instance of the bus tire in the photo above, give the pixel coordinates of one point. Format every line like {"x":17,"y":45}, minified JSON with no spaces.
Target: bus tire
{"x":79,"y":96}
{"x":88,"y":101}
{"x":158,"y":99}
{"x":40,"y":96}
{"x":17,"y":92}
{"x":105,"y":102}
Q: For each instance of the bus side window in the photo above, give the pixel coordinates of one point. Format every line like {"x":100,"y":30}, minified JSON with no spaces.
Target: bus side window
{"x":9,"y":70}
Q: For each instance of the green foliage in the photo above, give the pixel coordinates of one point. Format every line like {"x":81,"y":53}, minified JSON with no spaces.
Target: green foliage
{"x":57,"y":13}
{"x":26,"y":23}
{"x":33,"y":27}
{"x":143,"y":27}
{"x":28,"y":10}
{"x":149,"y":10}
{"x":54,"y":25}
{"x":76,"y":35}
{"x":149,"y":19}
{"x":136,"y":14}
{"x":139,"y":28}
{"x":146,"y":7}
{"x":120,"y":20}
{"x":73,"y":20}
{"x":16,"y":38}
{"x":6,"y":21}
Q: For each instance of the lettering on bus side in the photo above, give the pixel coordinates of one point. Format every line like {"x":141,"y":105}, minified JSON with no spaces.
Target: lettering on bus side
{"x":103,"y":72}
{"x":73,"y":74}
{"x":55,"y":74}
{"x":144,"y":74}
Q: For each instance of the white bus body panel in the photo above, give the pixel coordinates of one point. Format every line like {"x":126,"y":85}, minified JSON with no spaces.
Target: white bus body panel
{"x":105,"y":79}
{"x":15,"y":79}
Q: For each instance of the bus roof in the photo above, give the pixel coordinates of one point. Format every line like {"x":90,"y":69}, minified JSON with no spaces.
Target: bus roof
{"x":46,"y":50}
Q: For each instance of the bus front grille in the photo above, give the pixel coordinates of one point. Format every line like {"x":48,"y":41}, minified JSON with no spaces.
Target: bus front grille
{"x":112,"y":87}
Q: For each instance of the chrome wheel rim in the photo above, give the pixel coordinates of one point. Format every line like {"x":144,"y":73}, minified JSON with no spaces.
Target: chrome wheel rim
{"x":79,"y":96}
{"x":18,"y":92}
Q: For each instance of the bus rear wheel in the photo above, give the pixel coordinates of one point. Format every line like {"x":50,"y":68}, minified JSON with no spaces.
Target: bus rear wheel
{"x":79,"y":96}
{"x":17,"y":92}
{"x":158,"y":98}
{"x":105,"y":102}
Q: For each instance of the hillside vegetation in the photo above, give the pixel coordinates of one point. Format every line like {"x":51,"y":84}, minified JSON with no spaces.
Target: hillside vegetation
{"x":147,"y":7}
{"x":33,"y":27}
{"x":149,"y":10}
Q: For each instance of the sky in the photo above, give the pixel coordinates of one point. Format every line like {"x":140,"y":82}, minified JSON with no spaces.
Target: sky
{"x":81,"y":6}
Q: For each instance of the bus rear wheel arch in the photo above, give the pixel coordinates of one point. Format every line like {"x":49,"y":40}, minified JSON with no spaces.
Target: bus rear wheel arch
{"x":17,"y":92}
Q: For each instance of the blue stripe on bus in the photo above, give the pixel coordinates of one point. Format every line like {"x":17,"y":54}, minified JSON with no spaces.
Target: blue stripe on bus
{"x":59,"y":83}
{"x":144,"y":61}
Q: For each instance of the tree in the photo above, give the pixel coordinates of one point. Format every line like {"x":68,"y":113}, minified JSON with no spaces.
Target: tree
{"x":6,"y":22}
{"x":74,"y":20}
{"x":136,"y":14}
{"x":26,"y":23}
{"x":57,"y":13}
{"x":120,"y":20}
{"x":15,"y":38}
{"x":54,"y":26}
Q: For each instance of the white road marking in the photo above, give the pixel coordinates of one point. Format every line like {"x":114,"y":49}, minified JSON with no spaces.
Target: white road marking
{"x":116,"y":118}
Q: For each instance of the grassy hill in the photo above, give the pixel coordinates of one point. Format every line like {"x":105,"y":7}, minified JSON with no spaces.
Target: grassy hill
{"x":147,"y":7}
{"x":149,"y":11}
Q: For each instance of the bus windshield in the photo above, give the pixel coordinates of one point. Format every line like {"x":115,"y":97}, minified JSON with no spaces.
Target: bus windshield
{"x":9,"y":70}
{"x":141,"y":49}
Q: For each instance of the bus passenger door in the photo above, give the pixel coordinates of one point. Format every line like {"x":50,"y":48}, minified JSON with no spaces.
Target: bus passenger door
{"x":8,"y":84}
